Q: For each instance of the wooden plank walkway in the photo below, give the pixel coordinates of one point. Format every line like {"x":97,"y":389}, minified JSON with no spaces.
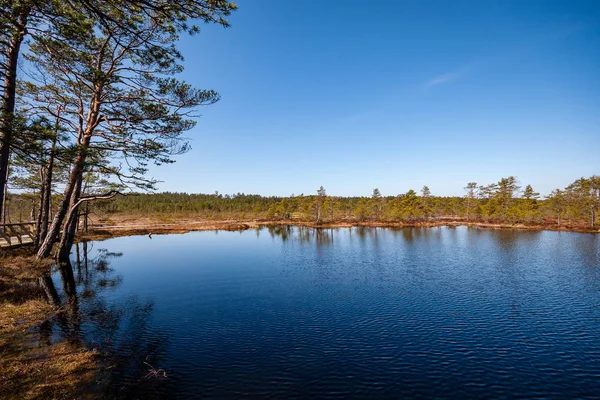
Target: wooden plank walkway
{"x":16,"y":234}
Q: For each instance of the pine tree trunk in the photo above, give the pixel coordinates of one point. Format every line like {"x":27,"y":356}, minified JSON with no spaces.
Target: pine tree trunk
{"x":72,"y":231}
{"x":87,"y":213}
{"x":38,"y":223}
{"x":8,"y":100}
{"x":68,"y":235}
{"x":74,"y":178}
{"x":45,"y":211}
{"x":5,"y":213}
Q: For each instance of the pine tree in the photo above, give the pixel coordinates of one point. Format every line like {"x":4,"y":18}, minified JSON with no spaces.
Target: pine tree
{"x":556,"y":202}
{"x":471,"y":197}
{"x":122,"y":73}
{"x":529,"y":204}
{"x":320,"y":199}
{"x":377,"y":204}
{"x":425,"y":196}
{"x":529,"y":194}
{"x":361,"y":211}
{"x":506,"y":189}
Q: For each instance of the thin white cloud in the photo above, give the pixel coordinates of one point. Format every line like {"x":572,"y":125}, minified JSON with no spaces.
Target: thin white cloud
{"x":512,"y":52}
{"x":442,"y":79}
{"x":451,"y":76}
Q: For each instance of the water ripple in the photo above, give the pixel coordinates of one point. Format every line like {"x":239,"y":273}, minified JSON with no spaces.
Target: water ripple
{"x":442,"y":312}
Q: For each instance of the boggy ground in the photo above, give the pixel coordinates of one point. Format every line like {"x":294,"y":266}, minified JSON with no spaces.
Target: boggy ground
{"x":31,"y":367}
{"x":121,"y":225}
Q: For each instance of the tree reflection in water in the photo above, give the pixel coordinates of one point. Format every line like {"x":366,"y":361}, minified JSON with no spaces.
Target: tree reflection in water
{"x":119,"y":330}
{"x":304,"y":234}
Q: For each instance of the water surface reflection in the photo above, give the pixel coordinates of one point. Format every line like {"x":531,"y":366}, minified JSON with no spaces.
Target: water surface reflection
{"x":286,"y":312}
{"x":120,"y":330}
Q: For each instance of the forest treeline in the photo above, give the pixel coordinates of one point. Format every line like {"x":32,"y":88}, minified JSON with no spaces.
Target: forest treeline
{"x":501,"y":202}
{"x":504,"y":202}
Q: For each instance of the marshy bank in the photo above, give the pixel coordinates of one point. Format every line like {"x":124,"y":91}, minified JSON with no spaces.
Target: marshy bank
{"x":33,"y":365}
{"x":47,"y":311}
{"x":129,"y":225}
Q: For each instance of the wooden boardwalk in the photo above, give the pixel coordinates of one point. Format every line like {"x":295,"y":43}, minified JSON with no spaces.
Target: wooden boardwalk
{"x":16,"y":234}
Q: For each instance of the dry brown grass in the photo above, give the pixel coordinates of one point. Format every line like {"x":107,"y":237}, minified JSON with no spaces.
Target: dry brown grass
{"x":31,"y":370}
{"x":19,"y":273}
{"x":131,"y":226}
{"x":126,"y":225}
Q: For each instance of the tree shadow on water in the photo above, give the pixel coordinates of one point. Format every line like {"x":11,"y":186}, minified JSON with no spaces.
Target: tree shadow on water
{"x":119,"y":329}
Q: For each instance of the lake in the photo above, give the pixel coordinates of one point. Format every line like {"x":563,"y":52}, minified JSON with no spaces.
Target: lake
{"x":291,"y":312}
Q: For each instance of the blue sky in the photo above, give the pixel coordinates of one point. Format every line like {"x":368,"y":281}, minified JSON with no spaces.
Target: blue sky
{"x":354,"y":95}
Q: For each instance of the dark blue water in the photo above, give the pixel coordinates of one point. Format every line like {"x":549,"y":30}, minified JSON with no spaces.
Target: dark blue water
{"x":362,"y":313}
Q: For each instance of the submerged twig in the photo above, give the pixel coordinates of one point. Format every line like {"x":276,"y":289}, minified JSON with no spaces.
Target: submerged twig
{"x":155,"y":373}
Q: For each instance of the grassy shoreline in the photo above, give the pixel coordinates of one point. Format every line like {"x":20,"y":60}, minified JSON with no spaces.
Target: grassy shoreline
{"x":32,"y":366}
{"x":130,"y":226}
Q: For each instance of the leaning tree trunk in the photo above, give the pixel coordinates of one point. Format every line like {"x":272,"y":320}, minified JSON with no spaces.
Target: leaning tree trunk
{"x":8,"y":99}
{"x":63,"y":209}
{"x":68,"y":235}
{"x":75,"y":176}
